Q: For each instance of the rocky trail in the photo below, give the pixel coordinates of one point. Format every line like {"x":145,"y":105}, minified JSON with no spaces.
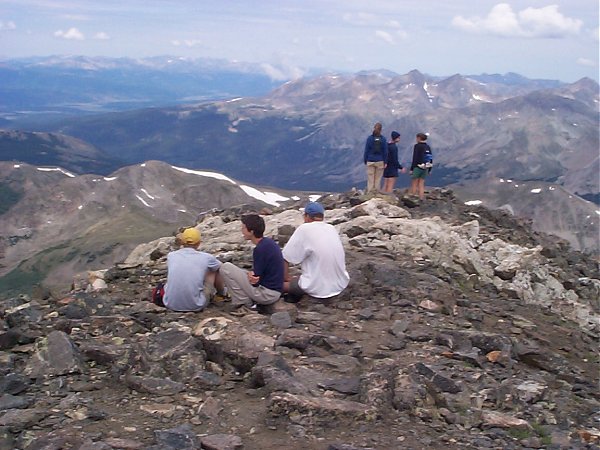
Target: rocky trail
{"x":461,"y":328}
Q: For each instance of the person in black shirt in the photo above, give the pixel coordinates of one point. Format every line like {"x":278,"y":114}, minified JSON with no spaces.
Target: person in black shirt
{"x":420,"y":167}
{"x":390,"y":173}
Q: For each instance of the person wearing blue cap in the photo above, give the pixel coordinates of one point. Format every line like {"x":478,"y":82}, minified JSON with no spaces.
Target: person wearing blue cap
{"x":317,"y":247}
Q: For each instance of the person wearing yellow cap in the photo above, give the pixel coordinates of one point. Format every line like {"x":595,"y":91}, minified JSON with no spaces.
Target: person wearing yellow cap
{"x":188,"y":269}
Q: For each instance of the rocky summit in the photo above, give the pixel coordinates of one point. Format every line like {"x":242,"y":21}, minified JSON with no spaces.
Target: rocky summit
{"x":461,"y":328}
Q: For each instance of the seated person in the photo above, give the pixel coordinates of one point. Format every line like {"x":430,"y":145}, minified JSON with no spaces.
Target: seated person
{"x":187,"y":272}
{"x":264,"y":283}
{"x":317,"y":247}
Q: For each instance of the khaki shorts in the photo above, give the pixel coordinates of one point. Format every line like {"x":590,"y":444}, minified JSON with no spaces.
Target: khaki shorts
{"x":242,"y":292}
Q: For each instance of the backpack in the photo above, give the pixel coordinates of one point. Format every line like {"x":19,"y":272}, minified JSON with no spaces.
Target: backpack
{"x":158,"y":293}
{"x":378,"y":143}
{"x":428,"y":158}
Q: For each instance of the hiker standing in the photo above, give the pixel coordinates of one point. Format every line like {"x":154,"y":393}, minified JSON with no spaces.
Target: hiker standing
{"x":375,"y":157}
{"x":390,"y":173}
{"x":421,"y":165}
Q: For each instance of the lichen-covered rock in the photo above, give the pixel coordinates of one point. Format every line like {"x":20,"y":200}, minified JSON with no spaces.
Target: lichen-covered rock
{"x":56,"y":355}
{"x":318,"y":411}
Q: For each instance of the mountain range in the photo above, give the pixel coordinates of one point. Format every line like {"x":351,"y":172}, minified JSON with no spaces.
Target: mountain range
{"x":303,"y":135}
{"x":55,"y":223}
{"x":313,"y":131}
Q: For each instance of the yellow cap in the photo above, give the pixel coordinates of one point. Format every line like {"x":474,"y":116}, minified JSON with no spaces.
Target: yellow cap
{"x":190,"y":236}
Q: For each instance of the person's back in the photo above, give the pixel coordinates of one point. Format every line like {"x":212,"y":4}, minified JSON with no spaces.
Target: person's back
{"x":324,"y":264}
{"x":317,"y":247}
{"x":420,"y":166}
{"x":375,"y":158}
{"x":186,"y":272}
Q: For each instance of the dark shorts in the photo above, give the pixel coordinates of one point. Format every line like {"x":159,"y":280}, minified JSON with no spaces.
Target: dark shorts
{"x":419,"y":173}
{"x":390,"y":172}
{"x":295,"y":292}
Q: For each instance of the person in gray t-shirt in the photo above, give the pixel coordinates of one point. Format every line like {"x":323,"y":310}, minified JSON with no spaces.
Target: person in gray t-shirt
{"x":187,"y":271}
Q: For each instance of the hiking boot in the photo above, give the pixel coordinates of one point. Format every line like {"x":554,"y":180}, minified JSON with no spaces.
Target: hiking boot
{"x":244,"y":310}
{"x":221,"y":297}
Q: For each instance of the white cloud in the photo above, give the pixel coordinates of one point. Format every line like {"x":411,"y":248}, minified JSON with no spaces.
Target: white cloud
{"x":586,"y":62}
{"x":282,"y":72}
{"x":7,"y":26}
{"x":360,"y":19}
{"x":546,"y":22}
{"x":397,"y":27}
{"x":71,"y":34}
{"x":79,"y":17}
{"x":385,"y":36}
{"x":186,"y":43}
{"x":402,"y":34}
{"x":102,"y":36}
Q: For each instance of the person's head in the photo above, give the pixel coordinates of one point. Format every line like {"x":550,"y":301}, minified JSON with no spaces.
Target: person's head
{"x":313,"y":211}
{"x":395,"y":136}
{"x":421,"y":137}
{"x":377,"y":129}
{"x":253,"y":226}
{"x":190,"y":237}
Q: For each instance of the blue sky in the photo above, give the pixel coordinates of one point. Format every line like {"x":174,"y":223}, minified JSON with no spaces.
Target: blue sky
{"x":554,"y":39}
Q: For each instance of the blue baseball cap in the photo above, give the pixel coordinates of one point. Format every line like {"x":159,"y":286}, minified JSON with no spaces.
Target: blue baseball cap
{"x":314,"y":208}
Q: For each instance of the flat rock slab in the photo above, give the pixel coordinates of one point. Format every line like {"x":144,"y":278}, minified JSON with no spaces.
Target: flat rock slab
{"x":8,"y":401}
{"x":179,"y":438}
{"x":227,"y":341}
{"x":157,"y":386}
{"x":126,"y":444}
{"x":222,"y":442}
{"x":312,"y":410}
{"x":501,"y":420}
{"x":17,"y":420}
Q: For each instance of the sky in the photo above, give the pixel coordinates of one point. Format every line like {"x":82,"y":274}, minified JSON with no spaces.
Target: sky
{"x":549,"y":39}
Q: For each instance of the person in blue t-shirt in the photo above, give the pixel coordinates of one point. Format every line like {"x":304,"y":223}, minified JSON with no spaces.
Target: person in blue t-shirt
{"x":190,"y":273}
{"x":264,"y":283}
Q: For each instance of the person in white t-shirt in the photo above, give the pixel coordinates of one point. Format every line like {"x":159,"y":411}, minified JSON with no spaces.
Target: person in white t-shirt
{"x":317,"y":247}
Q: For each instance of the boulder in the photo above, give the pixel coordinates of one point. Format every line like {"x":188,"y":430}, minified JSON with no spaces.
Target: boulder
{"x":56,"y":355}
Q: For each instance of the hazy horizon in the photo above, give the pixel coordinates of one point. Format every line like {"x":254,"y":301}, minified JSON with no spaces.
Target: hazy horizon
{"x":555,"y":39}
